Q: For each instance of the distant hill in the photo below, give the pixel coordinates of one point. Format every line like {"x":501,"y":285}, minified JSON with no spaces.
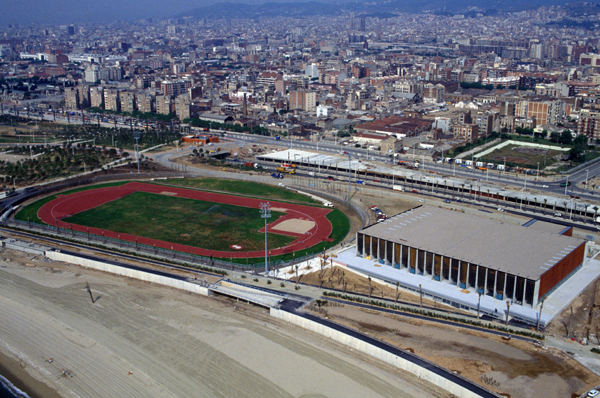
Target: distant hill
{"x":382,"y":9}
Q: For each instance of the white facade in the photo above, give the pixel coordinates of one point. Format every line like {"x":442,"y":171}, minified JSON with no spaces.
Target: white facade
{"x":442,"y":123}
{"x":323,"y":110}
{"x":312,"y":71}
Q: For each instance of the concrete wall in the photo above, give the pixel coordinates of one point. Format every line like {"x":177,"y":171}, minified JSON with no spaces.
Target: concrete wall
{"x":23,"y":247}
{"x":375,"y":352}
{"x":115,"y":269}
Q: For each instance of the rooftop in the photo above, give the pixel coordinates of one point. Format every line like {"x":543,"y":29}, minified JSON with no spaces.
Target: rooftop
{"x":510,"y":248}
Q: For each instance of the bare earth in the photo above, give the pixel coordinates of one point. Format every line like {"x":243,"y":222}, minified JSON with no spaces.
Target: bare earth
{"x":513,"y":368}
{"x":295,"y":225}
{"x":142,"y":340}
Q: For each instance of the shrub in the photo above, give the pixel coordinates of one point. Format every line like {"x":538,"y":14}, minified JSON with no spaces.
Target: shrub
{"x":430,"y":314}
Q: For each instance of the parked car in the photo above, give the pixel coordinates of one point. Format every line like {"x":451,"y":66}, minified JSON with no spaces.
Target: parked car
{"x":557,"y":214}
{"x":447,"y":201}
{"x":422,"y":200}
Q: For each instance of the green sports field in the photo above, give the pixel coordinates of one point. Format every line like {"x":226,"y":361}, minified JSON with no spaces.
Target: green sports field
{"x":191,"y":222}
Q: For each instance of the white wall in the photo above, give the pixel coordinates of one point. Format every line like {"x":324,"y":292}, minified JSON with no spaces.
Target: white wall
{"x":141,"y":275}
{"x":375,"y":352}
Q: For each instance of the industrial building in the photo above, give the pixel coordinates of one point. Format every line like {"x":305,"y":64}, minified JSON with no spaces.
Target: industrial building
{"x":520,"y":264}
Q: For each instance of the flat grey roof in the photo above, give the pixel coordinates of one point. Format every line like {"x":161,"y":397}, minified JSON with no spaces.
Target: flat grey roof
{"x":510,"y":248}
{"x":545,"y":226}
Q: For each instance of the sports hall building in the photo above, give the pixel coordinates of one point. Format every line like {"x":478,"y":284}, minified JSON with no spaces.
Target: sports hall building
{"x":523,"y":264}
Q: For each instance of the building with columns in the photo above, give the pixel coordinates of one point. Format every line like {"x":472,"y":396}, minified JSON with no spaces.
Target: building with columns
{"x":521,"y":264}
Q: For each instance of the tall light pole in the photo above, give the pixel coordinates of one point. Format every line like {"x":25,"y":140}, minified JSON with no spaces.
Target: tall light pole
{"x":587,"y":172}
{"x":265,"y":212}
{"x":137,"y":155}
{"x":349,"y":176}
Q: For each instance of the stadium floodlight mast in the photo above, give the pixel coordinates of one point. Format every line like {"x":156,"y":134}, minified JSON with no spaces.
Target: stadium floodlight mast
{"x":137,"y":155}
{"x":349,"y":175}
{"x":265,"y":212}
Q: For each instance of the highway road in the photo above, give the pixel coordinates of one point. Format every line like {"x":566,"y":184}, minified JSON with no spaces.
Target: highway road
{"x":513,"y":180}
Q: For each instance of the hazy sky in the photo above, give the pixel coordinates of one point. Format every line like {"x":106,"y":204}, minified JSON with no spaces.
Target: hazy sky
{"x":24,"y":12}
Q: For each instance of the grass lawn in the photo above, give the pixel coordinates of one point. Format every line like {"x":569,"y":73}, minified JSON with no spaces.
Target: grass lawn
{"x":517,"y":155}
{"x":191,"y":222}
{"x":243,"y":188}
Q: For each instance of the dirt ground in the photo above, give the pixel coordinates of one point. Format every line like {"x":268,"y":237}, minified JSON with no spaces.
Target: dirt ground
{"x":581,"y":319}
{"x":513,"y":368}
{"x":138,"y":340}
{"x":338,"y":278}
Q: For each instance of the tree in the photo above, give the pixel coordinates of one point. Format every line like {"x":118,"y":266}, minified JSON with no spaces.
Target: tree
{"x":566,"y":137}
{"x":578,"y":152}
{"x":555,"y":137}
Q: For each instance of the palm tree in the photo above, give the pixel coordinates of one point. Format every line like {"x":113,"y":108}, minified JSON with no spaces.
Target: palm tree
{"x":545,"y":203}
{"x":396,"y":297}
{"x":369,"y":286}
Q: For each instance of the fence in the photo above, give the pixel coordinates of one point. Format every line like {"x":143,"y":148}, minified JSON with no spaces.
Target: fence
{"x":151,"y":251}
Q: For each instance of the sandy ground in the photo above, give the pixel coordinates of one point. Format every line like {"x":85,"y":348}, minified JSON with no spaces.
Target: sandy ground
{"x":514,"y":368}
{"x":581,"y":319}
{"x":140,"y":340}
{"x":295,"y":225}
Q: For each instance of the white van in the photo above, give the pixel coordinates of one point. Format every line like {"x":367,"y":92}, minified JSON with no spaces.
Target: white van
{"x":328,"y":204}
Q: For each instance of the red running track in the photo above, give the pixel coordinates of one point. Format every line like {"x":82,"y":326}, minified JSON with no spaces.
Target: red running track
{"x":54,"y":211}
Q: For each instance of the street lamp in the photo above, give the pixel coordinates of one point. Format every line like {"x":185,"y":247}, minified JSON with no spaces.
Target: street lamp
{"x":265,"y":212}
{"x":587,"y":172}
{"x":137,"y":156}
{"x":537,"y":178}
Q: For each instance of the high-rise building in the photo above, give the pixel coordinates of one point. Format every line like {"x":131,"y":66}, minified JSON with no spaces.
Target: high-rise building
{"x":84,"y":95}
{"x":589,"y":124}
{"x":468,"y":132}
{"x":182,"y":107}
{"x":304,"y":100}
{"x":145,"y":103}
{"x":111,"y":100}
{"x":174,"y":88}
{"x":363,"y":23}
{"x":71,"y":98}
{"x":164,"y":105}
{"x":92,"y":73}
{"x":127,"y":101}
{"x":97,"y":97}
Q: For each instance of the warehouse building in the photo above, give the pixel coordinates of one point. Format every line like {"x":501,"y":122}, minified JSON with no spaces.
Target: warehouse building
{"x":522,"y":264}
